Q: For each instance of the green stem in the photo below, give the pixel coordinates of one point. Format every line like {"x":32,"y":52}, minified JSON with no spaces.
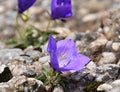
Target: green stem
{"x":46,"y":31}
{"x":48,"y":25}
{"x":17,"y":26}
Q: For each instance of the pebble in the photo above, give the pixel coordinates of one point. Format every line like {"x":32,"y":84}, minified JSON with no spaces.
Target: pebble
{"x":62,"y":31}
{"x":58,"y":89}
{"x":90,"y":17}
{"x":91,"y":66}
{"x":71,"y":36}
{"x":44,"y":59}
{"x":2,"y":45}
{"x":104,"y":87}
{"x":109,"y":33}
{"x":107,"y":72}
{"x":116,"y":46}
{"x":110,"y":87}
{"x":2,"y":9}
{"x":107,"y":58}
{"x":34,"y":54}
{"x":109,"y":45}
{"x":22,"y":84}
{"x":97,"y":45}
{"x":29,"y":48}
{"x":6,"y":55}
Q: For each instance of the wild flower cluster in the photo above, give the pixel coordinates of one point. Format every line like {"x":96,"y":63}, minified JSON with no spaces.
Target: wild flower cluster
{"x":63,"y":54}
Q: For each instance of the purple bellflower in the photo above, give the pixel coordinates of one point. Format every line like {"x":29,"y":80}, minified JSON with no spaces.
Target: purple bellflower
{"x":24,"y":5}
{"x":64,"y":55}
{"x":61,"y":9}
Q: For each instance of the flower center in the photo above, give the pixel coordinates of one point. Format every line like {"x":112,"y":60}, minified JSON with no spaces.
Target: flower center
{"x":62,"y":3}
{"x":62,"y":56}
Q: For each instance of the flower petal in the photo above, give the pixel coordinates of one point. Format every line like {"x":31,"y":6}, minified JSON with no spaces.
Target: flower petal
{"x":61,"y":11}
{"x":67,"y":47}
{"x":23,"y":5}
{"x":77,"y":63}
{"x":52,"y":49}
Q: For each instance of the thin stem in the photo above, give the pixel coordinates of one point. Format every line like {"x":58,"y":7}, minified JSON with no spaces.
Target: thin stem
{"x":48,"y":25}
{"x":17,"y":26}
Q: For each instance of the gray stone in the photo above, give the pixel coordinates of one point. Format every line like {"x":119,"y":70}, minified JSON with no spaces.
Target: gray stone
{"x":79,"y":80}
{"x":71,"y":36}
{"x":58,"y":89}
{"x":18,"y":70}
{"x":6,"y":55}
{"x":34,"y":54}
{"x":2,"y":45}
{"x":4,"y":87}
{"x":22,"y":84}
{"x":110,"y":87}
{"x":92,"y":67}
{"x":97,"y":45}
{"x":2,"y":9}
{"x":109,"y":45}
{"x":44,"y":59}
{"x":109,"y":32}
{"x":107,"y":58}
{"x":104,"y":87}
{"x":116,"y":46}
{"x":108,"y":72}
{"x":22,"y":59}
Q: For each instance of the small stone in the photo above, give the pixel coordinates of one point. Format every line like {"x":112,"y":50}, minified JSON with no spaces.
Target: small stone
{"x":2,"y":9}
{"x":58,"y":89}
{"x":34,"y":54}
{"x":5,"y":88}
{"x":107,"y":72}
{"x":29,"y":48}
{"x":118,"y":62}
{"x":38,"y":67}
{"x":104,"y":87}
{"x":62,"y":31}
{"x":109,"y":45}
{"x":107,"y":58}
{"x":116,"y":46}
{"x":18,"y":70}
{"x":109,"y":33}
{"x":24,"y":84}
{"x":71,"y":36}
{"x":116,"y":83}
{"x":92,"y":66}
{"x":28,"y":71}
{"x":97,"y":45}
{"x":79,"y":80}
{"x":2,"y":45}
{"x":90,"y":17}
{"x":6,"y":55}
{"x":44,"y":59}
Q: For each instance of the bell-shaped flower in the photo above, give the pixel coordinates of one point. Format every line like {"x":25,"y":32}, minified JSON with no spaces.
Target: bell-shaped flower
{"x":24,"y":5}
{"x":64,"y":55}
{"x":61,"y":9}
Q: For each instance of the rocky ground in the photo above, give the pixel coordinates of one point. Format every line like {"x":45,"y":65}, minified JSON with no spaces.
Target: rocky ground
{"x":95,"y":28}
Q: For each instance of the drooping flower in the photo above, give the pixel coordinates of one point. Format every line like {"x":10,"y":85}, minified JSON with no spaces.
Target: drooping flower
{"x":24,"y":5}
{"x":61,"y":9}
{"x":64,"y":55}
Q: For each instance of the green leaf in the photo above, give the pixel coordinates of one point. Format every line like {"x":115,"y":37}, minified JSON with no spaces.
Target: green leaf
{"x":12,"y":41}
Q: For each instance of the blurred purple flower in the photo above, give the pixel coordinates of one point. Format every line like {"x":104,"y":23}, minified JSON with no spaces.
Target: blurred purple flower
{"x":61,"y":9}
{"x":64,"y":55}
{"x":24,"y":5}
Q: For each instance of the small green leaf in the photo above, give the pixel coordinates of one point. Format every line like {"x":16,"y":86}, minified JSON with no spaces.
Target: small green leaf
{"x":12,"y":41}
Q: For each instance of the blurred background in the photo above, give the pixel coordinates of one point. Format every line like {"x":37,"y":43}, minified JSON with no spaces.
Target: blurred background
{"x":87,"y":15}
